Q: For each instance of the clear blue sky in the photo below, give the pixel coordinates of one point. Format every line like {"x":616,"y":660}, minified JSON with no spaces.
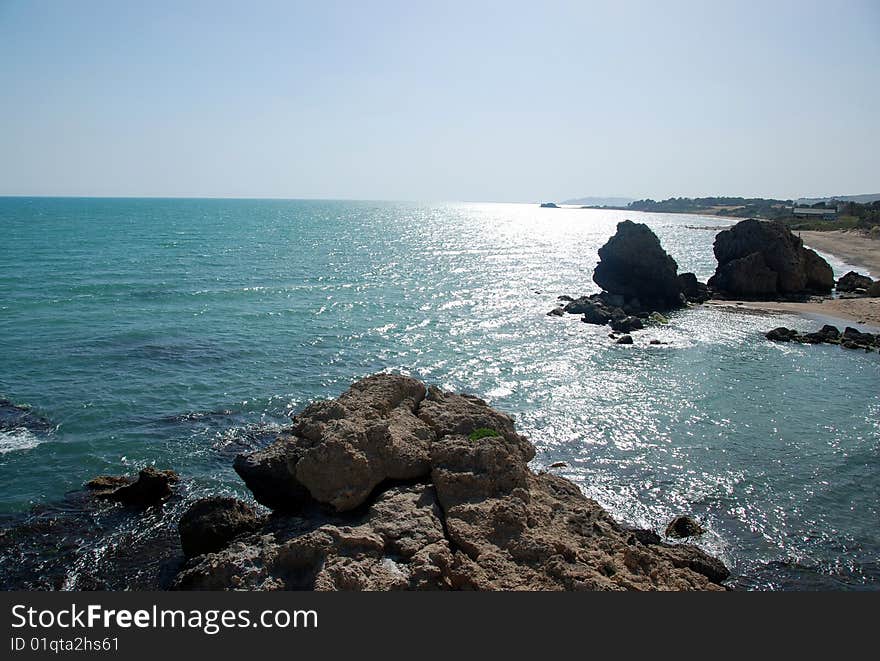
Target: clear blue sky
{"x":514,"y":101}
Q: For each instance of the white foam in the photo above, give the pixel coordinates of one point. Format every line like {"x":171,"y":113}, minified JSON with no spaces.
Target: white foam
{"x":19,"y":438}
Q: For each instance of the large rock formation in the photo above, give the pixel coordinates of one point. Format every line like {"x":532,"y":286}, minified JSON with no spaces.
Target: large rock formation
{"x":397,"y":486}
{"x":634,"y":265}
{"x":763,"y":260}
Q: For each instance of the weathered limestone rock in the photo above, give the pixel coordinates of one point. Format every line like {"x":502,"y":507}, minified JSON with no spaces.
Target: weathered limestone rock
{"x":476,"y":517}
{"x":340,"y":450}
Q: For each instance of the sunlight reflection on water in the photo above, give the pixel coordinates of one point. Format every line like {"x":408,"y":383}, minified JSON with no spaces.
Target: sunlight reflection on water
{"x":259,"y":307}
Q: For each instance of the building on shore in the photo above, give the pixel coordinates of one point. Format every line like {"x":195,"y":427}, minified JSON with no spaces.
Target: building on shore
{"x":821,"y":213}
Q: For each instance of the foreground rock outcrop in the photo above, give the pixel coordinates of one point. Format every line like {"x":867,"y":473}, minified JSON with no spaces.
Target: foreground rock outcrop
{"x":395,"y":485}
{"x":763,"y":260}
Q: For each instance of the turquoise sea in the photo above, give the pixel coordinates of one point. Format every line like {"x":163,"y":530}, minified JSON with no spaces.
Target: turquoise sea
{"x":182,"y":331}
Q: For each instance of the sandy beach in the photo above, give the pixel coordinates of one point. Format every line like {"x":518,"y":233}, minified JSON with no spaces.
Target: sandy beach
{"x":862,"y":312}
{"x":849,"y":245}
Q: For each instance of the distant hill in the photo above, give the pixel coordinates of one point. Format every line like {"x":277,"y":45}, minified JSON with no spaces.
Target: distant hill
{"x":601,"y":201}
{"x":861,"y":199}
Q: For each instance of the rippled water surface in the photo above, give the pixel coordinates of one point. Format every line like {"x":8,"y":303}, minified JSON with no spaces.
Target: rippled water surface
{"x":181,"y":332}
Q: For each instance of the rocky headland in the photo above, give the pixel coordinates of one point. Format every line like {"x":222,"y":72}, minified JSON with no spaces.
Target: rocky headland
{"x":397,"y":486}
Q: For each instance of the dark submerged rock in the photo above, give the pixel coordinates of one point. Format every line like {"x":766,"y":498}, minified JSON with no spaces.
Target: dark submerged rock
{"x":626,"y":324}
{"x":104,"y":484}
{"x":15,"y":416}
{"x":211,"y":523}
{"x":151,"y":487}
{"x":626,"y":339}
{"x":682,"y":527}
{"x":781,"y":334}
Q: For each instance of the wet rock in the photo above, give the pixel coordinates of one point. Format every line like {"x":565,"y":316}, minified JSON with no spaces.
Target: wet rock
{"x":782,"y":334}
{"x":104,"y":484}
{"x":633,"y":265}
{"x":596,"y":315}
{"x":853,"y":281}
{"x":270,"y":474}
{"x":830,"y":332}
{"x":763,"y":259}
{"x":564,"y":297}
{"x":851,"y":338}
{"x":627,"y":324}
{"x":625,"y":339}
{"x":693,"y":290}
{"x":211,"y":523}
{"x":556,"y":312}
{"x":14,"y":416}
{"x":812,"y":338}
{"x":579,"y":305}
{"x":151,"y":487}
{"x":682,"y":527}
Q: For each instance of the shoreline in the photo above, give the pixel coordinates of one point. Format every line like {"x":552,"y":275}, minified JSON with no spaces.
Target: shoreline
{"x":850,"y":246}
{"x":863,"y":313}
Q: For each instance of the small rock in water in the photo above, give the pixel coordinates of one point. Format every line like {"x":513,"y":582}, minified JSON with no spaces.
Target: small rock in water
{"x":682,"y":527}
{"x":626,"y":339}
{"x":781,"y":334}
{"x":106,"y":483}
{"x":556,"y":312}
{"x":627,"y":324}
{"x":151,"y":487}
{"x":558,"y":464}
